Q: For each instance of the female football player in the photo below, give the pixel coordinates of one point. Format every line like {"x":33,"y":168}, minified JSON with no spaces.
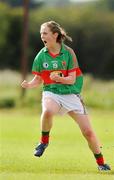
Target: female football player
{"x":57,"y":67}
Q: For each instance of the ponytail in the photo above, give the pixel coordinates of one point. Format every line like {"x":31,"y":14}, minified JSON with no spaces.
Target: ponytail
{"x":56,"y":28}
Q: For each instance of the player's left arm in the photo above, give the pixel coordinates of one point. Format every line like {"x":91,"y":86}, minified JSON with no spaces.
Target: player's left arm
{"x":70,"y":79}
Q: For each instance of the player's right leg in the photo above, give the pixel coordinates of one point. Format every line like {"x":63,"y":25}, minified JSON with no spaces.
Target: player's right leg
{"x":49,"y":109}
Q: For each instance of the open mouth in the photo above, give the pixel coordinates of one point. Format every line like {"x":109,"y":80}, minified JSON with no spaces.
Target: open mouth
{"x":45,"y":42}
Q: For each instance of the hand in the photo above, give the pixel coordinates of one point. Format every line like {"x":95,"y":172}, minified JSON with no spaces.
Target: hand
{"x":25,"y":84}
{"x":55,"y":77}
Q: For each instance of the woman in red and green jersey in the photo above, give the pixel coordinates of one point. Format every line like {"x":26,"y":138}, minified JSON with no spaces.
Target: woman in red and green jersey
{"x":57,"y":68}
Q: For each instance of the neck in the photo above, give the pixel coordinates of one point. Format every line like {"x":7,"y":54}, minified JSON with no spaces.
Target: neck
{"x":55,"y":49}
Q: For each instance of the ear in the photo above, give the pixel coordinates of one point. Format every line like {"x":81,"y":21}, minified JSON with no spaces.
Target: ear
{"x":55,"y":35}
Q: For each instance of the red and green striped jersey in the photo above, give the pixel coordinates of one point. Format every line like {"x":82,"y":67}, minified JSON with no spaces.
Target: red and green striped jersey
{"x":45,"y":63}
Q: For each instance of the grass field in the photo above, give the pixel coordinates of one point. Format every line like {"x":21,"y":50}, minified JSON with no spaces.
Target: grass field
{"x":67,"y":157}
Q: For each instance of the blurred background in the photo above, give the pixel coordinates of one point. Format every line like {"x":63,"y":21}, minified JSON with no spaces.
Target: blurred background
{"x":90,"y":23}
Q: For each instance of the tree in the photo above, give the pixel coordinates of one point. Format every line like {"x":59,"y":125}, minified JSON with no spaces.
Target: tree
{"x":32,"y":3}
{"x":106,"y":4}
{"x":24,"y":59}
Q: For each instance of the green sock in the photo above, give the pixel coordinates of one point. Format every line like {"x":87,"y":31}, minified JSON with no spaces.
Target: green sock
{"x":45,"y":133}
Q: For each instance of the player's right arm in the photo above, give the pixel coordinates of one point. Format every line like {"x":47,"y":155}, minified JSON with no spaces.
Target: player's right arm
{"x":33,"y":83}
{"x":37,"y":80}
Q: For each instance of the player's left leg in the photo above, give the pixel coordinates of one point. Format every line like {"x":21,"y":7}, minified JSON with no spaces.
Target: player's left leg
{"x":88,"y":132}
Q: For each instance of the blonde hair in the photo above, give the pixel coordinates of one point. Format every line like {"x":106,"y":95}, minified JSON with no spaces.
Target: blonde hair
{"x":56,"y":28}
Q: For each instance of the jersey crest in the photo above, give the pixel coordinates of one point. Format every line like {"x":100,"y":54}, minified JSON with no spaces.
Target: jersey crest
{"x":55,"y":64}
{"x":45,"y":65}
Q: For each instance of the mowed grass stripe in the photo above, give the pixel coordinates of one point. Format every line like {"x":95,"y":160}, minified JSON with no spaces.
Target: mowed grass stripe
{"x":67,"y":157}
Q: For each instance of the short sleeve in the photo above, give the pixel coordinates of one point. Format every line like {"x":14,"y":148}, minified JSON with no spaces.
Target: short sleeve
{"x":36,"y":65}
{"x":73,"y":64}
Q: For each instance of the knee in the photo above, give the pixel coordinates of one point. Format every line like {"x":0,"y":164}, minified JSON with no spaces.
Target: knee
{"x":47,"y":114}
{"x":88,"y":134}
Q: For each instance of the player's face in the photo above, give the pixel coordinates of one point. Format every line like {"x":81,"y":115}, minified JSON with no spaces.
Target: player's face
{"x":48,"y":38}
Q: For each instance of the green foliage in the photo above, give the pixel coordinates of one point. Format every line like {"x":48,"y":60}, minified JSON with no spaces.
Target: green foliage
{"x":4,"y":24}
{"x":91,"y":28}
{"x":7,"y":103}
{"x":11,"y":34}
{"x":106,"y":5}
{"x":96,"y":93}
{"x":92,"y":32}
